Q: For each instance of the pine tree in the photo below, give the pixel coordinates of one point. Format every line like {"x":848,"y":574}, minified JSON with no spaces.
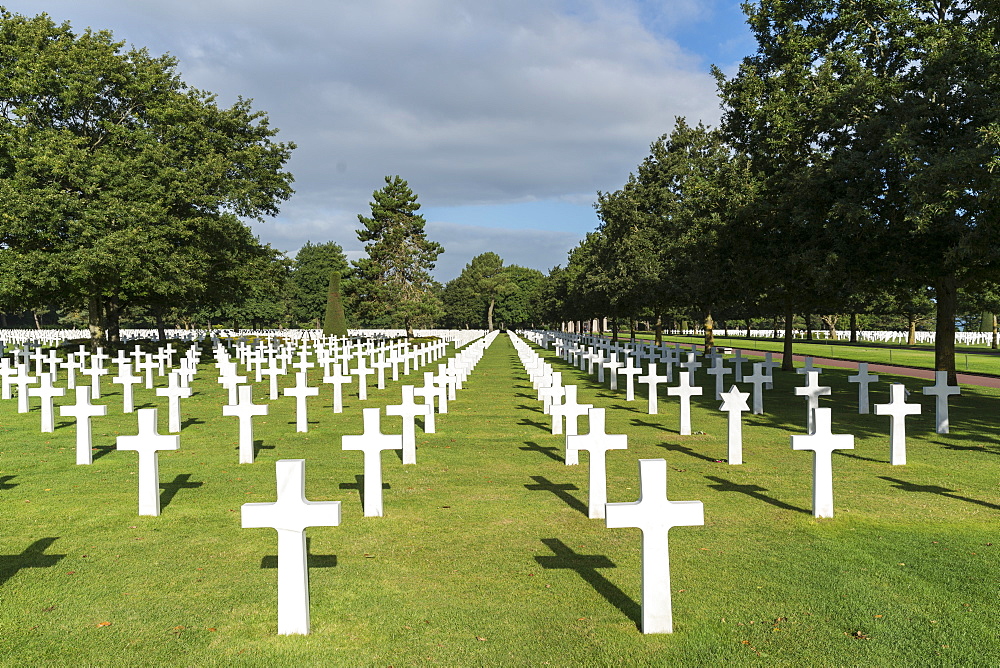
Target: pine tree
{"x":335,"y":322}
{"x":393,"y":287}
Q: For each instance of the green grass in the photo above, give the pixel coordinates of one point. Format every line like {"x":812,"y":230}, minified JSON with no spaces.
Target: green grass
{"x":485,"y":555}
{"x":971,"y":359}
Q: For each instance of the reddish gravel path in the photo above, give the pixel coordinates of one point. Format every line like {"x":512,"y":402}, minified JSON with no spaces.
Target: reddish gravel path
{"x":963,"y":378}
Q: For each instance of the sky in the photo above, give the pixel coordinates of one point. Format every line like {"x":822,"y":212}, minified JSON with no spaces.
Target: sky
{"x":505,"y":117}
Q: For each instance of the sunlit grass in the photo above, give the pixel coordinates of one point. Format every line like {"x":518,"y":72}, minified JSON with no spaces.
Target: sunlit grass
{"x":485,"y":555}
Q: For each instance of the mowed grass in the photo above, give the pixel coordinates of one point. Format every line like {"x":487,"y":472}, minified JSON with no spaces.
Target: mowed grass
{"x":485,"y":555}
{"x":968,"y":359}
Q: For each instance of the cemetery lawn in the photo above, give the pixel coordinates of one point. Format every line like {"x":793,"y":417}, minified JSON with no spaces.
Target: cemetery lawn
{"x":485,"y":555}
{"x":968,"y":359}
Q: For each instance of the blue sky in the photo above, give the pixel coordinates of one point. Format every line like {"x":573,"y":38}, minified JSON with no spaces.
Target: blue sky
{"x":505,"y":118}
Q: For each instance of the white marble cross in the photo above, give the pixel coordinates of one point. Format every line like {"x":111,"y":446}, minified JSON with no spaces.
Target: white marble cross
{"x":21,"y":380}
{"x":7,"y":372}
{"x":769,"y":366}
{"x":812,"y":391}
{"x":548,"y":394}
{"x":808,"y":367}
{"x":245,"y":410}
{"x":338,"y":379}
{"x":362,"y":372}
{"x":897,"y":409}
{"x":570,"y":410}
{"x":823,"y":442}
{"x":174,"y":392}
{"x":381,"y":364}
{"x":734,"y":402}
{"x":655,"y":515}
{"x":290,"y":515}
{"x":409,"y":410}
{"x":127,"y":379}
{"x":300,"y":392}
{"x":685,"y":391}
{"x":146,"y":365}
{"x":597,"y":443}
{"x":757,"y":379}
{"x":652,"y":379}
{"x":46,"y":392}
{"x":372,"y":442}
{"x":230,"y":380}
{"x":863,"y":379}
{"x":630,"y":371}
{"x":720,"y":371}
{"x":941,"y":390}
{"x":83,"y":410}
{"x":147,"y":443}
{"x":691,"y":365}
{"x":272,"y":372}
{"x":613,"y":366}
{"x":738,"y":360}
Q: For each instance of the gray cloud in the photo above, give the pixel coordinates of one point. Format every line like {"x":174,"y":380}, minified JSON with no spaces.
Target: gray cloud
{"x":472,"y":102}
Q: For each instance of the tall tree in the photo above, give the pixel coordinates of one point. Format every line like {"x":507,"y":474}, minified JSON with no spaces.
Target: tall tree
{"x":120,"y":183}
{"x":310,"y":281}
{"x":392,"y":287}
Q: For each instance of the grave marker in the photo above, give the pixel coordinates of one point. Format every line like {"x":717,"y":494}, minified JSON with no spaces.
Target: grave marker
{"x":655,"y":515}
{"x":685,"y":391}
{"x":148,"y":443}
{"x":597,"y":443}
{"x":823,"y":442}
{"x":290,"y":516}
{"x":734,"y":402}
{"x":372,"y":442}
{"x":897,"y":409}
{"x":83,"y":410}
{"x":245,"y":410}
{"x":300,"y":392}
{"x":863,"y":379}
{"x":941,"y":390}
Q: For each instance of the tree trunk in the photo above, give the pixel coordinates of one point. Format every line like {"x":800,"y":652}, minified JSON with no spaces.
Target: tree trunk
{"x":95,"y":323}
{"x":786,"y":358}
{"x":112,"y":312}
{"x":911,"y":337}
{"x":658,"y":336}
{"x":709,"y":332}
{"x":993,"y":342}
{"x":854,"y":328}
{"x":38,"y":323}
{"x":831,"y":326}
{"x":614,"y":329}
{"x":946,"y":295}
{"x":775,"y":327}
{"x":809,"y":327}
{"x":489,"y":313}
{"x":161,"y":330}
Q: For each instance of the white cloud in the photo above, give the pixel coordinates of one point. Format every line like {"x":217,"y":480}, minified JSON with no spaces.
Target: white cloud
{"x":472,"y":102}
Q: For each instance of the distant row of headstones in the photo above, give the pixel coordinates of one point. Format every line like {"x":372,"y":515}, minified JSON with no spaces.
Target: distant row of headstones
{"x":342,"y":362}
{"x":654,"y":513}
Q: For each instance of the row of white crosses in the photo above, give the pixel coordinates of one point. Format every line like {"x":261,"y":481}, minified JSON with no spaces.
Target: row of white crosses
{"x":654,"y":514}
{"x":292,"y":514}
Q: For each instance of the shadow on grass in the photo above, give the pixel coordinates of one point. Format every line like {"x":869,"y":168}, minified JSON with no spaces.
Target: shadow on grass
{"x":560,"y":490}
{"x":359,"y":484}
{"x":753,"y":491}
{"x":620,"y":407}
{"x":676,"y":447}
{"x":636,"y":422}
{"x":586,"y":566}
{"x":258,"y":446}
{"x":102,"y":450}
{"x":312,"y":560}
{"x":5,"y":482}
{"x":550,"y":451}
{"x":190,"y":421}
{"x":934,"y":489}
{"x":33,"y":557}
{"x":967,"y":448}
{"x":536,"y":409}
{"x":535,"y":423}
{"x":854,"y":456}
{"x":170,"y":489}
{"x":64,"y":424}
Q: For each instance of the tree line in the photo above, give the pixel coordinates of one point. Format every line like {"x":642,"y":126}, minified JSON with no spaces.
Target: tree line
{"x":854,"y":170}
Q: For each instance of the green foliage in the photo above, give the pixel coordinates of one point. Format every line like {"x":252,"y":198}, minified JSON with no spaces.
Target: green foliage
{"x":471,"y":298}
{"x":310,"y":281}
{"x":120,"y":184}
{"x":392,"y":287}
{"x":334,"y":321}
